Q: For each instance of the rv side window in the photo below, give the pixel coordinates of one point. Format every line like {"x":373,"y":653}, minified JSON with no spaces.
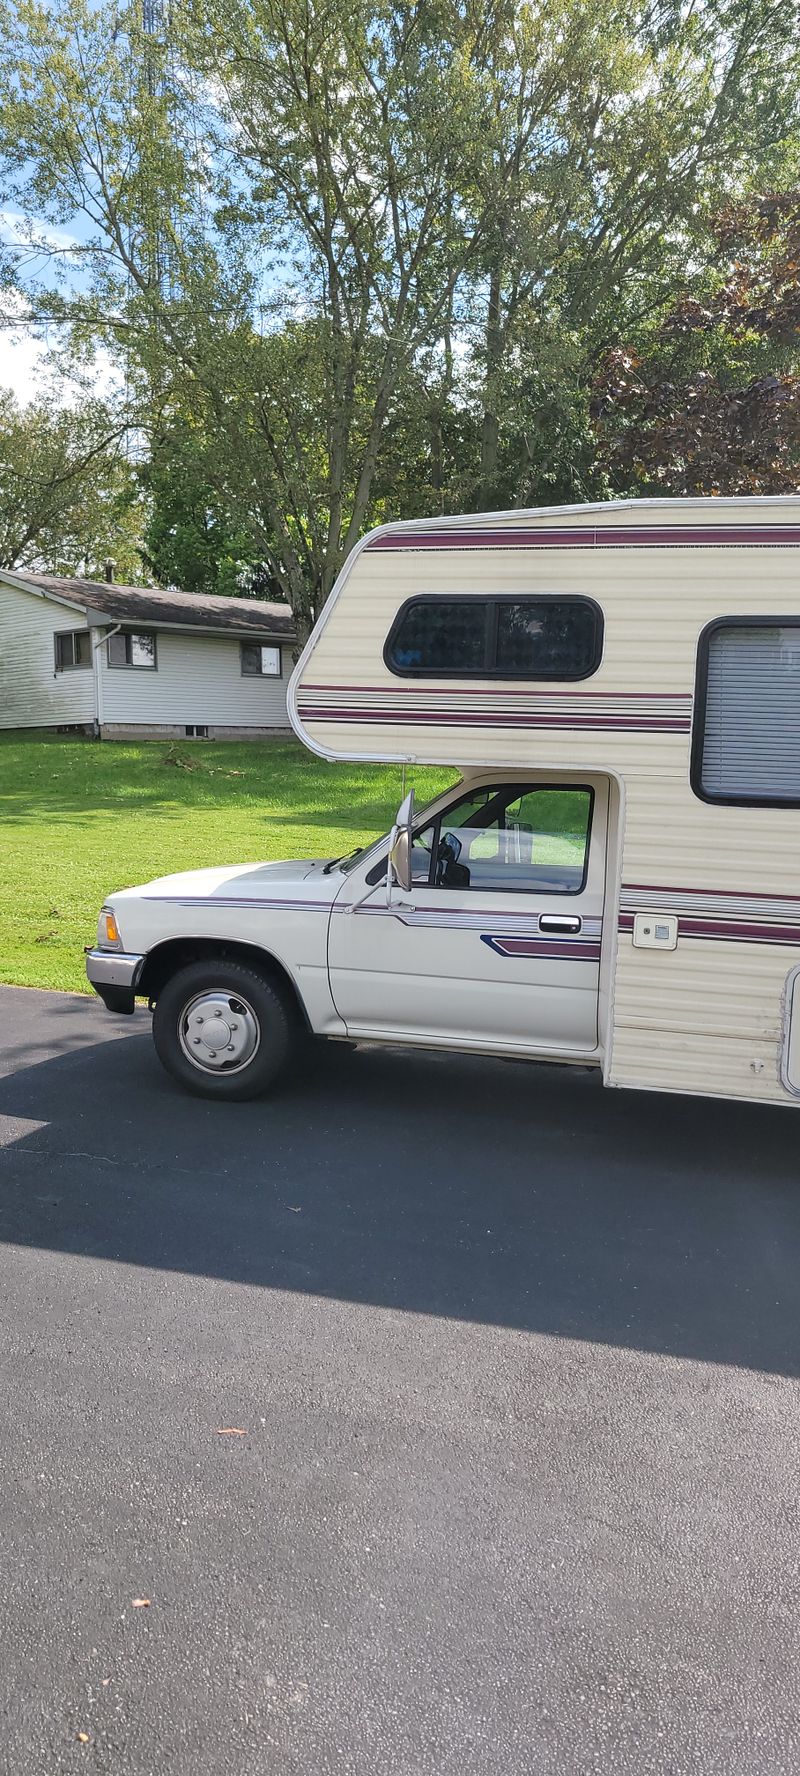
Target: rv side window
{"x":526,"y":638}
{"x":746,"y":742}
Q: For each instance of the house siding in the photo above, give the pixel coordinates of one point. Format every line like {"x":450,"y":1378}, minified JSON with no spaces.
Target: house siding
{"x":198,"y":680}
{"x":32,"y":693}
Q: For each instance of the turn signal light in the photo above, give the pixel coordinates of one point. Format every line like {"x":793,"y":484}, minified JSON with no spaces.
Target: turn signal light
{"x":111,"y":928}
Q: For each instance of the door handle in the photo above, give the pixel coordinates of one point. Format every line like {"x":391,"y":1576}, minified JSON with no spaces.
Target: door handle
{"x":560,"y":922}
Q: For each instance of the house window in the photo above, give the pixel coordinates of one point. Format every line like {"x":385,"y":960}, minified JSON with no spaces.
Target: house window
{"x":134,"y":647}
{"x":524,"y":638}
{"x":73,"y":648}
{"x":260,"y":662}
{"x":746,"y":741}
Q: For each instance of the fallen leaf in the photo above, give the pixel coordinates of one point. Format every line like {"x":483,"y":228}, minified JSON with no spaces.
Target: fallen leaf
{"x":83,"y":1738}
{"x":229,"y":1431}
{"x":140,"y":1603}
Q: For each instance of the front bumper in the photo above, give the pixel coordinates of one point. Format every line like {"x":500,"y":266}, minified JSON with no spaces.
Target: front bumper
{"x":113,"y":974}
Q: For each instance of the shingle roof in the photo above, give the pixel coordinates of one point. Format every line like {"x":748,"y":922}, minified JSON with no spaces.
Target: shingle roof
{"x":148,"y":604}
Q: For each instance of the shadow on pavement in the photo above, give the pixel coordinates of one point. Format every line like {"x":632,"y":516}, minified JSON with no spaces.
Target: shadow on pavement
{"x":520,"y":1196}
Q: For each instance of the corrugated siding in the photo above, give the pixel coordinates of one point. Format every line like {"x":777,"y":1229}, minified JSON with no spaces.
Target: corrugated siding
{"x":198,"y":680}
{"x":707,"y":1016}
{"x":32,"y":693}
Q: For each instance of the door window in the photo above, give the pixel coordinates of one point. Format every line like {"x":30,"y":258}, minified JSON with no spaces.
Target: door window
{"x":509,"y":839}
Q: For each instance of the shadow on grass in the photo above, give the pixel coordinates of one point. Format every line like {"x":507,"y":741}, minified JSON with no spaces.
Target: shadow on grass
{"x":513,"y":1195}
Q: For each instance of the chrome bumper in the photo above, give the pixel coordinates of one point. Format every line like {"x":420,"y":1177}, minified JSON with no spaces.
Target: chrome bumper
{"x":113,"y":974}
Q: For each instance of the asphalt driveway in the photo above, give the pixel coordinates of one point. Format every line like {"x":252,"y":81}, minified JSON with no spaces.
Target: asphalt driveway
{"x":516,"y":1361}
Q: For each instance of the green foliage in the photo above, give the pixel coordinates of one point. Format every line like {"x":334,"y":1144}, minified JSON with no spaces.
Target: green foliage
{"x":68,"y":498}
{"x":373,"y":255}
{"x":708,"y":401}
{"x":190,"y":539}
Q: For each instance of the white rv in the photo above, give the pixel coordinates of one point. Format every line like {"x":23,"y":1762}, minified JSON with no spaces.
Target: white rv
{"x":613,"y":879}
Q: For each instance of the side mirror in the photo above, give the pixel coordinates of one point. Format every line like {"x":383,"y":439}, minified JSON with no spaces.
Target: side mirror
{"x":398,"y":865}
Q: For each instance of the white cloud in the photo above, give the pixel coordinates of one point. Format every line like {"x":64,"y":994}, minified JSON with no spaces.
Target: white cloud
{"x":22,"y":231}
{"x":27,"y":369}
{"x":21,"y":364}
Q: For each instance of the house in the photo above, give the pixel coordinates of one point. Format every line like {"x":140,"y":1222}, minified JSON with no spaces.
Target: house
{"x":136,"y":661}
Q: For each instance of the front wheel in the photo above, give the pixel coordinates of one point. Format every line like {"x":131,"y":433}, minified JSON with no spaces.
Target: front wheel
{"x":222,"y":1030}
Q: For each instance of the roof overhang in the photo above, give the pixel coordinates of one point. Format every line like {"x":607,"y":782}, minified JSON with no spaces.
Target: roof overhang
{"x":96,"y":619}
{"x":100,"y":620}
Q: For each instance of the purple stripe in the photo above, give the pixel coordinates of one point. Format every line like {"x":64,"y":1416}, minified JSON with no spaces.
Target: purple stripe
{"x":503,"y":719}
{"x":596,"y":537}
{"x":512,"y":691}
{"x":239,"y":900}
{"x":717,"y":893}
{"x":732,"y":930}
{"x":543,"y":948}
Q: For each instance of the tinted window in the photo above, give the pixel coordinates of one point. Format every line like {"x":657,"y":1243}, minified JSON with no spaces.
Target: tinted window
{"x":747,"y":724}
{"x":550,"y":640}
{"x":440,"y":635}
{"x":530,"y":638}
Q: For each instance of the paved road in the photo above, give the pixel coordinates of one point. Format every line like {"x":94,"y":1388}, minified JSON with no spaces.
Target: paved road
{"x":517,"y":1361}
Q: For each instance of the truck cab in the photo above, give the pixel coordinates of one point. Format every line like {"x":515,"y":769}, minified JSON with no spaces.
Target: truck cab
{"x":476,"y":924}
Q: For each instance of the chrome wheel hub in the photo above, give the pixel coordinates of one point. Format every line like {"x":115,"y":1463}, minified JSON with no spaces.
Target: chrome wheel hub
{"x":219,"y":1033}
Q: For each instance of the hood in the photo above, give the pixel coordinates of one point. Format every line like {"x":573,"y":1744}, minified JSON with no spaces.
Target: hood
{"x":303,"y":880}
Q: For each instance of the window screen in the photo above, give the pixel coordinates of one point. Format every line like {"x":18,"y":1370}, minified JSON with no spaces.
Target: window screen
{"x":137,"y":648}
{"x":73,"y":648}
{"x":747,"y":724}
{"x":260,"y":662}
{"x":530,"y":638}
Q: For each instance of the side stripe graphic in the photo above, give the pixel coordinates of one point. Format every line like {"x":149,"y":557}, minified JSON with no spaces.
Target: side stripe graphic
{"x":667,"y":712}
{"x":665,"y":536}
{"x":732,"y":917}
{"x":242,"y":900}
{"x":566,"y":949}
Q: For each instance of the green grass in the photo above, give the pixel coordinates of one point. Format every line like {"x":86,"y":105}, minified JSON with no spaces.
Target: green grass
{"x":81,"y":817}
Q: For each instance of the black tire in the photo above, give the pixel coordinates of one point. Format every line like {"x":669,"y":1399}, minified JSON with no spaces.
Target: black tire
{"x":209,"y":990}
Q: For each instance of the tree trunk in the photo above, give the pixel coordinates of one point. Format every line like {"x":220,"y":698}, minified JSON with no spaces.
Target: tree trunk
{"x":490,"y":427}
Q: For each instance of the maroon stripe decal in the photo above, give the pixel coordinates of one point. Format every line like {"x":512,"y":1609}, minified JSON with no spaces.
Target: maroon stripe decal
{"x":730,"y":930}
{"x":512,"y":691}
{"x":714,"y":893}
{"x":713,"y":536}
{"x":546,"y":949}
{"x":661,"y":724}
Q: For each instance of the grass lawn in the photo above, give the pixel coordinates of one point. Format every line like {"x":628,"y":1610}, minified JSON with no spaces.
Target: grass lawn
{"x":81,"y":817}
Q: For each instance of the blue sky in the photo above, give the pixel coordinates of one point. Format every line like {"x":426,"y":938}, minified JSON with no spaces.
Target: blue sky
{"x":23,"y":352}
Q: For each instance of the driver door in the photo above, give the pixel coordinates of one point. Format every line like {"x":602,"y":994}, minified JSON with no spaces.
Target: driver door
{"x":498,"y":941}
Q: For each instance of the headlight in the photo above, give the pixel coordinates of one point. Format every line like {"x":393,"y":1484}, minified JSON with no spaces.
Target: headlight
{"x":108,"y":937}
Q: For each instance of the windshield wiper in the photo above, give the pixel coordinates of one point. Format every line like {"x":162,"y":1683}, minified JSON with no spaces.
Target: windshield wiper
{"x":345,"y":858}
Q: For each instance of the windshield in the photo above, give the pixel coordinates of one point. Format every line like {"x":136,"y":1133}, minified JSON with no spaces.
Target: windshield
{"x":361,"y":853}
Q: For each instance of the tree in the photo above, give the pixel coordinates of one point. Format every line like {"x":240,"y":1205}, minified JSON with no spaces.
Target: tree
{"x":68,"y":499}
{"x":710,"y":402}
{"x":298,"y":215}
{"x":191,"y":539}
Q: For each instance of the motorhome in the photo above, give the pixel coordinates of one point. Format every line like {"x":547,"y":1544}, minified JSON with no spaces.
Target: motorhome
{"x":612,"y":879}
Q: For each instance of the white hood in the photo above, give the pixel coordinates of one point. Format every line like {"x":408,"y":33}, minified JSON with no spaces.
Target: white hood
{"x":304,"y":880}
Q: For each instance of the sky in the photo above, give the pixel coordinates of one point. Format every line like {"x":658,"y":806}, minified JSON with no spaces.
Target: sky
{"x":24,"y":364}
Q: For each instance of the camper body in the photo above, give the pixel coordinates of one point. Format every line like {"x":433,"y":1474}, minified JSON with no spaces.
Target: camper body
{"x":612,"y":878}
